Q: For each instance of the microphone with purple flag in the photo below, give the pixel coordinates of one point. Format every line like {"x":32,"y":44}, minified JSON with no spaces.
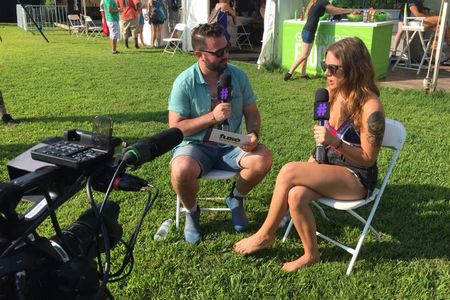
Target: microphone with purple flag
{"x":321,"y":113}
{"x":224,"y":90}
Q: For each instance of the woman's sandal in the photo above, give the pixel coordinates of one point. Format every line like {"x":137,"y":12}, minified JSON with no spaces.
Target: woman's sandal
{"x":306,"y":76}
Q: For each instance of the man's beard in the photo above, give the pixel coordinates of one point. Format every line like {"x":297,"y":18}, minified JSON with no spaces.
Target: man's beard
{"x":216,"y":67}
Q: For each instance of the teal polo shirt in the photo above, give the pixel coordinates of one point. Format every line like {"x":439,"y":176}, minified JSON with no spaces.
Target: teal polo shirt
{"x":190,"y":98}
{"x":110,"y":17}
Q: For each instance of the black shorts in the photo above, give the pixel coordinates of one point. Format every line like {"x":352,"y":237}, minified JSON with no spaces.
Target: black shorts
{"x":367,"y":177}
{"x":154,"y":19}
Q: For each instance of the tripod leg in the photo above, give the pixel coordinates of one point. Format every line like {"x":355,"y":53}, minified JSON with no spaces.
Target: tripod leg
{"x":34,"y":22}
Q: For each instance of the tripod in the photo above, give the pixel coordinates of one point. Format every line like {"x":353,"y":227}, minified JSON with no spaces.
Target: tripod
{"x":34,"y":22}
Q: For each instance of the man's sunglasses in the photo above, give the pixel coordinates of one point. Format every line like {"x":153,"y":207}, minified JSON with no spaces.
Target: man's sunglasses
{"x":332,"y":68}
{"x":218,"y":53}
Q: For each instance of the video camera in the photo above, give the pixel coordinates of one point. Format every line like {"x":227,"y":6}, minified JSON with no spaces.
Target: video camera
{"x":75,"y":262}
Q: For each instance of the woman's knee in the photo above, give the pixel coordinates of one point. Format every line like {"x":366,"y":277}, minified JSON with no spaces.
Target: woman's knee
{"x":298,"y":197}
{"x":290,"y":171}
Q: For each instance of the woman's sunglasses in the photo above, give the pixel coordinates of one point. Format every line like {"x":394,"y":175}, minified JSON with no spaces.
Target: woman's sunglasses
{"x":218,"y":53}
{"x":332,"y":68}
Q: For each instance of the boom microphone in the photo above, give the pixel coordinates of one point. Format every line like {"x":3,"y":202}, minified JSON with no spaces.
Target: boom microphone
{"x":321,"y":113}
{"x":224,"y":90}
{"x":147,"y":149}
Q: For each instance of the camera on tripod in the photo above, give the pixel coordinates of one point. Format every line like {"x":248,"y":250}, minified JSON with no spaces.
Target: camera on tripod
{"x":75,"y":262}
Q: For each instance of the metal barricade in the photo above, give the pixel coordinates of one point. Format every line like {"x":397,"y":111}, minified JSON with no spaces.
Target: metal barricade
{"x":46,"y":16}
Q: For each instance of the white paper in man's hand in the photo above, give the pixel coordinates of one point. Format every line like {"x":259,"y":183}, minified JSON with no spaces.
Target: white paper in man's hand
{"x":229,"y":138}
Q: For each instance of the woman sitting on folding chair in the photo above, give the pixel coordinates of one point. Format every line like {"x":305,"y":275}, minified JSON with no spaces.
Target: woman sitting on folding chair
{"x":352,"y":139}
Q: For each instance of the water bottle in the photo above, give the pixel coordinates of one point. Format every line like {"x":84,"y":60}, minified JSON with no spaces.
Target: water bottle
{"x":162,"y":231}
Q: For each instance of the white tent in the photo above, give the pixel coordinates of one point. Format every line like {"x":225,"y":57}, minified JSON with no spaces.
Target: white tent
{"x":197,"y":11}
{"x":276,"y":12}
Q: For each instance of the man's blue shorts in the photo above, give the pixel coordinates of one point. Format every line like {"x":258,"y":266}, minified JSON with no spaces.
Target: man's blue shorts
{"x":211,"y":156}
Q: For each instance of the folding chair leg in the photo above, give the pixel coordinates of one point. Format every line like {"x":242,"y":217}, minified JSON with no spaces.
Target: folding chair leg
{"x":356,"y":253}
{"x":322,"y":212}
{"x":288,"y":229}
{"x":376,"y":233}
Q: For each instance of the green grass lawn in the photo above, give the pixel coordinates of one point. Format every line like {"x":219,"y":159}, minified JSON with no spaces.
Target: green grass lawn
{"x":65,"y":83}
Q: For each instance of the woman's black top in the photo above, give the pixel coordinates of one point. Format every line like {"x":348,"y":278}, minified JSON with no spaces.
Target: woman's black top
{"x":316,"y":11}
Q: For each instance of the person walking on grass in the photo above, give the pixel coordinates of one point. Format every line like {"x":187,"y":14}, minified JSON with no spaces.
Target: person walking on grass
{"x":352,"y":137}
{"x":195,"y":109}
{"x":129,"y":20}
{"x":6,"y":118}
{"x":112,"y":10}
{"x":314,"y":10}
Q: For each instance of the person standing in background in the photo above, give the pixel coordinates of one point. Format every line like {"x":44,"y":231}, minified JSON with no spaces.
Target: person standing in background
{"x":223,"y":9}
{"x":157,"y":18}
{"x":173,"y":8}
{"x":112,"y":10}
{"x":141,"y":26}
{"x":105,"y":29}
{"x":6,"y":118}
{"x":314,"y":10}
{"x":129,"y":19}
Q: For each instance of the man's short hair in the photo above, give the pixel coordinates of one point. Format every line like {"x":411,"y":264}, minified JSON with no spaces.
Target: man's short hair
{"x":203,"y":31}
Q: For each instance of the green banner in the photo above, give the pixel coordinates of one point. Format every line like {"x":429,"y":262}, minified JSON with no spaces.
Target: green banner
{"x":376,"y":37}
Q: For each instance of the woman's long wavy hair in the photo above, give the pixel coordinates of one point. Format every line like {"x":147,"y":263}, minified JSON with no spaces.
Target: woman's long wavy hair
{"x":358,"y":82}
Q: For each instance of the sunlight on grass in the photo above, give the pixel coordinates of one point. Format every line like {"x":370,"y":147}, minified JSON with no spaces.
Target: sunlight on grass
{"x":65,"y":83}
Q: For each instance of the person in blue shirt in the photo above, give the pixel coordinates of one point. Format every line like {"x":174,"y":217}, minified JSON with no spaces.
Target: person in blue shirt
{"x":195,"y":109}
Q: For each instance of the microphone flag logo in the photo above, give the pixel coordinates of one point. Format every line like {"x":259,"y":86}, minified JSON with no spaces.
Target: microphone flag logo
{"x":321,"y":110}
{"x":223,"y":93}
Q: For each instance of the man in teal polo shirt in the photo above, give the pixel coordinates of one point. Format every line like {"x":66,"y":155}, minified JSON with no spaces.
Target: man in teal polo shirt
{"x":194,"y":108}
{"x":112,"y":10}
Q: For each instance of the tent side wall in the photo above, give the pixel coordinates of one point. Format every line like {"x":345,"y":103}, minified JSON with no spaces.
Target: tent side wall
{"x":194,"y":12}
{"x":276,"y":12}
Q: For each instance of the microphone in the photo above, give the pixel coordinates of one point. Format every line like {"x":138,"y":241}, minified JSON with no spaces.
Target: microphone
{"x":321,"y":113}
{"x":147,"y":149}
{"x":224,"y":90}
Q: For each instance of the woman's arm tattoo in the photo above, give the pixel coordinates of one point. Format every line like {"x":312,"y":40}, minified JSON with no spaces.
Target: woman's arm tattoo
{"x":375,"y":124}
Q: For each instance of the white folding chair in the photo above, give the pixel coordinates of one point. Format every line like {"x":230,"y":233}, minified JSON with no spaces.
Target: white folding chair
{"x":394,"y":138}
{"x":92,"y":29}
{"x":76,"y":26}
{"x":175,"y":39}
{"x":242,"y":37}
{"x":413,"y":26}
{"x":213,"y":174}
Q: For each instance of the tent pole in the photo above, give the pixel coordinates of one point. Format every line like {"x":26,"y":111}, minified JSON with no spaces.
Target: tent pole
{"x":437,"y":60}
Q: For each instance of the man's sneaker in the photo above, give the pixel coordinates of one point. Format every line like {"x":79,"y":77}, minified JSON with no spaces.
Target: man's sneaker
{"x":7,"y":119}
{"x":236,"y":205}
{"x":192,"y":233}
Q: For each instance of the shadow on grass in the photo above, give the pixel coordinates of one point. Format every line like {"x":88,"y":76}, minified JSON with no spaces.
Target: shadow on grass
{"x":154,"y":116}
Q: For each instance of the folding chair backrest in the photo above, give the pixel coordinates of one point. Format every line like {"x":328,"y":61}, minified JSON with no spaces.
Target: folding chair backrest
{"x":394,"y":138}
{"x":176,"y":38}
{"x":74,"y":20}
{"x":89,"y":21}
{"x":180,"y":27}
